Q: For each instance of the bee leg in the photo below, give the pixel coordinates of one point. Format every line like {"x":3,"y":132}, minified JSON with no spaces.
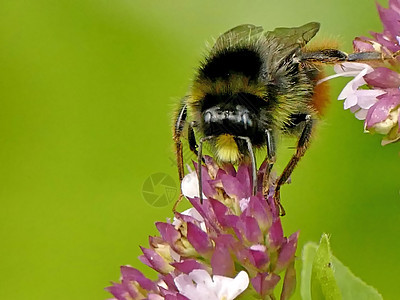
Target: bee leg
{"x":199,"y":164}
{"x":333,"y":56}
{"x":302,"y":145}
{"x":178,"y":128}
{"x":327,"y":56}
{"x":361,"y":56}
{"x":270,"y":160}
{"x":192,"y":139}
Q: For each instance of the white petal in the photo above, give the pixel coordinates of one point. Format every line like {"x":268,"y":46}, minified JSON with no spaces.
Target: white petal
{"x":230,"y":288}
{"x":175,"y":256}
{"x":354,"y":108}
{"x":198,"y":285}
{"x":355,"y":83}
{"x":361,"y":114}
{"x":350,"y":101}
{"x":367,"y":98}
{"x":348,"y":68}
{"x":194,"y":214}
{"x":190,"y":185}
{"x":244,"y":203}
{"x":186,"y":286}
{"x":258,"y":247}
{"x":351,"y":87}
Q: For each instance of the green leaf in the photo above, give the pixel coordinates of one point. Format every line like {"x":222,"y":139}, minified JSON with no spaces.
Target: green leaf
{"x":323,"y":282}
{"x":324,"y":277}
{"x":351,"y":286}
{"x":308,"y":255}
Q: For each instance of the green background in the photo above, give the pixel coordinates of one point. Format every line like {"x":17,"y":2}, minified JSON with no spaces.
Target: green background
{"x":87,"y":89}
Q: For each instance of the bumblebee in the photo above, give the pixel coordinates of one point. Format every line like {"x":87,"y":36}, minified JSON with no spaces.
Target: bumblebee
{"x":253,"y":86}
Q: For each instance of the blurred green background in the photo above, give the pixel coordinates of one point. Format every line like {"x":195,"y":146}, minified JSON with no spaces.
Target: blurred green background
{"x":86,"y":91}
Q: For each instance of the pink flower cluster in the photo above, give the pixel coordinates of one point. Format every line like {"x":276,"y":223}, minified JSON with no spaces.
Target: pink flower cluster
{"x":373,"y":95}
{"x":232,"y":244}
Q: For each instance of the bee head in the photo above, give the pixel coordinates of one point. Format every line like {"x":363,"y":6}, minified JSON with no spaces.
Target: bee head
{"x":235,"y":114}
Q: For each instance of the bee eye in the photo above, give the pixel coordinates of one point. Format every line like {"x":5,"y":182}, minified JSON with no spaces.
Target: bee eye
{"x":207,"y":117}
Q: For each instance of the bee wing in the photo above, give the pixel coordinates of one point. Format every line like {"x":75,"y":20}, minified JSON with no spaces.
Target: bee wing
{"x":236,"y":35}
{"x":284,"y":46}
{"x":294,"y":37}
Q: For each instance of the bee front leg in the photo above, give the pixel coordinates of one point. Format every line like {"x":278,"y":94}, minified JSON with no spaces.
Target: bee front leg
{"x":302,"y":146}
{"x":192,"y":138}
{"x":178,"y":128}
{"x":334,"y":56}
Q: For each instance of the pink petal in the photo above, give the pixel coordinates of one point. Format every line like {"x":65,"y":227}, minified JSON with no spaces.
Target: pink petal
{"x":389,"y":46}
{"x":208,"y":190}
{"x":175,"y":297}
{"x":220,"y":211}
{"x":233,"y":187}
{"x":198,"y":238}
{"x":168,"y":279}
{"x":154,"y":260}
{"x":119,"y":291}
{"x":260,"y":258}
{"x":211,"y":165}
{"x":221,"y":260}
{"x":243,"y":175}
{"x":275,"y":235}
{"x":258,"y":209}
{"x":206,"y":211}
{"x":229,"y":169}
{"x":289,"y":282}
{"x":219,"y":174}
{"x":390,"y":18}
{"x":380,"y":110}
{"x":168,"y":233}
{"x":286,"y":254}
{"x":252,"y":231}
{"x":131,"y":274}
{"x":361,"y":44}
{"x":383,"y":78}
{"x":256,"y":258}
{"x":264,"y":283}
{"x":188,"y":265}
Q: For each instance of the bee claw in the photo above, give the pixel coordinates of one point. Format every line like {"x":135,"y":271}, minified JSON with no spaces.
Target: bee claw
{"x":180,"y":197}
{"x":277,"y":200}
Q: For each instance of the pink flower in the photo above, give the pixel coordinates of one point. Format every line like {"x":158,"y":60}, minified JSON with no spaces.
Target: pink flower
{"x":215,"y":249}
{"x":358,"y":100}
{"x":383,"y":116}
{"x":387,"y":42}
{"x":373,"y":94}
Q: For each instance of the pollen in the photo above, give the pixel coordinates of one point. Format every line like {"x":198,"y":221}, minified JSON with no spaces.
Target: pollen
{"x":227,"y":149}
